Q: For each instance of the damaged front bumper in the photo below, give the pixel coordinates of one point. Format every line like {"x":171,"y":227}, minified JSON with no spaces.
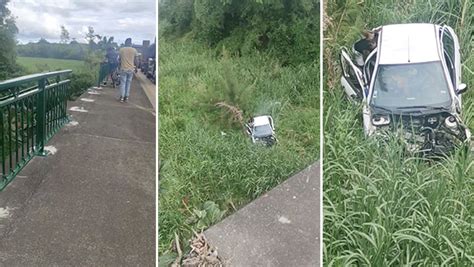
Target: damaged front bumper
{"x":437,"y":139}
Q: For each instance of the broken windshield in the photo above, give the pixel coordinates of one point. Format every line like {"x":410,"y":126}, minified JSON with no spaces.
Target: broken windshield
{"x":262,"y":131}
{"x":408,"y":85}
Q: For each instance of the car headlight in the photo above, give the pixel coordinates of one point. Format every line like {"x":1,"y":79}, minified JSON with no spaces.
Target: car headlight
{"x":380,"y":120}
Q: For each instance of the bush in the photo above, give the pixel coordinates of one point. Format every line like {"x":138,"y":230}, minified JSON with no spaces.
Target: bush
{"x":288,"y":30}
{"x":80,"y":82}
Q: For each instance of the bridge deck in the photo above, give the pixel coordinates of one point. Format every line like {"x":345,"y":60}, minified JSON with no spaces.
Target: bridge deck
{"x":93,"y":201}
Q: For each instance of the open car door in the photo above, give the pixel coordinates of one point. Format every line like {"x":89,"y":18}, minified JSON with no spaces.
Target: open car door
{"x":352,"y":79}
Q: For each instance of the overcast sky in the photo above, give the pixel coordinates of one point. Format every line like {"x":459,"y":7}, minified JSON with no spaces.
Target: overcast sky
{"x":118,"y":18}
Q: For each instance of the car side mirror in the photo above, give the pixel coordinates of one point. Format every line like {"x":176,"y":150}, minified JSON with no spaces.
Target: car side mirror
{"x":462,"y":88}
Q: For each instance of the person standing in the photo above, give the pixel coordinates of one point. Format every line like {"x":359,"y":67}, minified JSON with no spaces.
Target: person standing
{"x":127,"y":67}
{"x":112,"y":59}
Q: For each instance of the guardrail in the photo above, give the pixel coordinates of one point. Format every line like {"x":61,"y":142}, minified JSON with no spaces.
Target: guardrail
{"x":32,"y":109}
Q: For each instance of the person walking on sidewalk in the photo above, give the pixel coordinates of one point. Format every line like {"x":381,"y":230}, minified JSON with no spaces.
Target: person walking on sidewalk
{"x":112,"y":59}
{"x":127,"y":67}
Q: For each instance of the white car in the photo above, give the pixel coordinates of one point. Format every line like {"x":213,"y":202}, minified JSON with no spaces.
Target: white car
{"x":261,"y":130}
{"x":410,"y":83}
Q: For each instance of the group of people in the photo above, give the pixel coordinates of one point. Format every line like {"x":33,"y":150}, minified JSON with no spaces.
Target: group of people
{"x":123,"y":61}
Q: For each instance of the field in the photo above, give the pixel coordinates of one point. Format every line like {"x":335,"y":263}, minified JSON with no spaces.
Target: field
{"x":381,"y":207}
{"x":35,"y":64}
{"x":83,"y":75}
{"x":208,"y":166}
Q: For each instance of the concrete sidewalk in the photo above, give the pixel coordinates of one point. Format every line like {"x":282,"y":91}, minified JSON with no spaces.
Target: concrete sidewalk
{"x":281,"y":228}
{"x":92,"y":203}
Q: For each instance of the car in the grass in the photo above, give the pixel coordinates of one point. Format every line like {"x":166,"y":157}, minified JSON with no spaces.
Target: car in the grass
{"x":410,"y":83}
{"x":261,"y":130}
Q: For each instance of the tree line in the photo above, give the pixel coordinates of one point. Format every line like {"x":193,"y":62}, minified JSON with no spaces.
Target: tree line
{"x":288,"y":29}
{"x":66,"y":48}
{"x":43,"y":48}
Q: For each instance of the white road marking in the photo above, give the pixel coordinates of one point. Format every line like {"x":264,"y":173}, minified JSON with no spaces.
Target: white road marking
{"x":284,"y":220}
{"x":78,"y":109}
{"x":72,"y":123}
{"x":4,"y":213}
{"x":51,"y":149}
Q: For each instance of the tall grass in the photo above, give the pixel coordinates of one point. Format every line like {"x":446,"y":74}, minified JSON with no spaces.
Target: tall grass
{"x":205,"y":156}
{"x":382,"y":208}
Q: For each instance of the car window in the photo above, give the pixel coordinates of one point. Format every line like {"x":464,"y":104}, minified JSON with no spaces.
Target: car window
{"x":407,"y":85}
{"x":262,"y":131}
{"x":449,"y":53}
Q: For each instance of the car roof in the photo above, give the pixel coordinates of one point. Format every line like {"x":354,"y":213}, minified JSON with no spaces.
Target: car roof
{"x":261,"y":120}
{"x":408,"y":43}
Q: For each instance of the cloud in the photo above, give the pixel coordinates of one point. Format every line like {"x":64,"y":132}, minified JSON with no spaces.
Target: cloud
{"x":119,"y":18}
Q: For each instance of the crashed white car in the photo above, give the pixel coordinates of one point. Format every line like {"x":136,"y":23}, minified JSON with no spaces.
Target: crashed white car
{"x":261,"y":130}
{"x":410,"y":83}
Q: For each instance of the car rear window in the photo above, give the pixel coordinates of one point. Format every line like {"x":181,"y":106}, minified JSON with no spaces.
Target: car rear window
{"x":406,"y":85}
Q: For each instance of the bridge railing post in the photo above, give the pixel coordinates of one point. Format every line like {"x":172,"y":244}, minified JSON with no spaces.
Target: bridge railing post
{"x":41,"y":117}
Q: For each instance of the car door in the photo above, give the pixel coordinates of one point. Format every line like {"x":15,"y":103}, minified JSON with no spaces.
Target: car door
{"x":452,"y":56}
{"x":369,"y":67}
{"x":352,"y":78}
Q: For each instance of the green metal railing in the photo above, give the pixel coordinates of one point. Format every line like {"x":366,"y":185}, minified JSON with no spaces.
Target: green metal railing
{"x":32,"y":109}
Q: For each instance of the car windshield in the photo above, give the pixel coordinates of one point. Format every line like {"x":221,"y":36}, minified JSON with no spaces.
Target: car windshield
{"x":262,"y":131}
{"x":410,"y":85}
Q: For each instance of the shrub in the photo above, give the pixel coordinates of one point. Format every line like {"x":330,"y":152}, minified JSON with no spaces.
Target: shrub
{"x":80,"y":82}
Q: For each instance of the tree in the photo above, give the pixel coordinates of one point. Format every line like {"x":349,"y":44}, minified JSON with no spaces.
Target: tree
{"x":8,"y":30}
{"x":64,"y":35}
{"x":43,"y":41}
{"x":285,"y":28}
{"x":90,"y":36}
{"x":106,"y":42}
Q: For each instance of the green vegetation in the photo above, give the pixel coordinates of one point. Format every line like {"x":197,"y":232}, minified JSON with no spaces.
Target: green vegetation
{"x":66,"y":49}
{"x":84,"y":73}
{"x":8,"y":29}
{"x":44,"y":49}
{"x":253,"y":58}
{"x":35,"y":64}
{"x":83,"y":59}
{"x":208,"y":166}
{"x":382,"y":208}
{"x":286,"y":29}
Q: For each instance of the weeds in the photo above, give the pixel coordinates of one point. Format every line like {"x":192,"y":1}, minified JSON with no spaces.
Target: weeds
{"x":197,"y":162}
{"x":382,"y":208}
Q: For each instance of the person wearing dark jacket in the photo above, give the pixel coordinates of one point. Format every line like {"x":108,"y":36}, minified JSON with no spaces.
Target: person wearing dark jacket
{"x":112,"y":59}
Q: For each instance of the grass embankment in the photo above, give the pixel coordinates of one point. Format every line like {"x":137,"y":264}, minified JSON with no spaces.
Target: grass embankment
{"x":204,"y":156}
{"x":382,"y":208}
